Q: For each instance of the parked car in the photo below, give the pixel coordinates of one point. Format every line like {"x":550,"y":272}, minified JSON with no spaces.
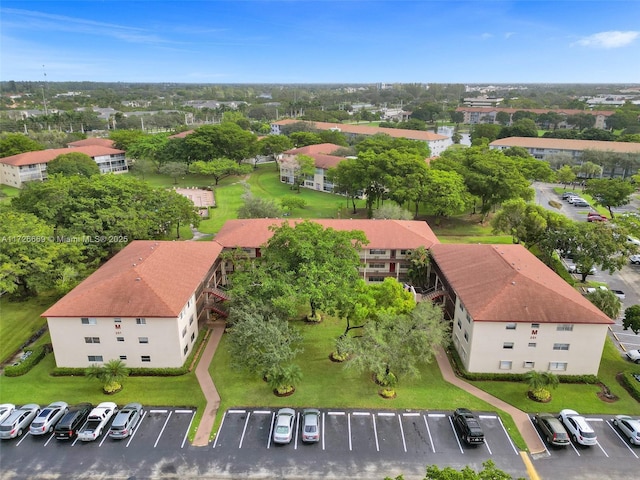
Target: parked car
{"x":634,"y":259}
{"x":574,"y":269}
{"x":566,"y":195}
{"x":68,"y":426}
{"x":573,"y":198}
{"x":5,"y":411}
{"x":633,"y":355}
{"x":48,"y":418}
{"x":126,"y":420}
{"x":310,"y":425}
{"x":97,"y":421}
{"x":578,"y":427}
{"x":18,"y":421}
{"x":283,"y":430}
{"x":579,"y":202}
{"x":630,"y":427}
{"x":552,"y":429}
{"x":633,"y":241}
{"x":596,"y":218}
{"x":468,"y":426}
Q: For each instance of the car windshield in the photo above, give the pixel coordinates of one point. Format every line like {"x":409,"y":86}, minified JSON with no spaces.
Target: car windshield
{"x":282,"y":429}
{"x":45,"y":413}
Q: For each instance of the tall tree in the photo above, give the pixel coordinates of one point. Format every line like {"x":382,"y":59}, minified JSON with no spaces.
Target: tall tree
{"x":607,"y":301}
{"x":610,"y":192}
{"x":226,"y":140}
{"x":274,"y":145}
{"x":73,"y":163}
{"x":219,"y":168}
{"x":15,"y":143}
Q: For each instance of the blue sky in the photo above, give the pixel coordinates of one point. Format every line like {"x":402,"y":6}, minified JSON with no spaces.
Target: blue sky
{"x":346,"y":41}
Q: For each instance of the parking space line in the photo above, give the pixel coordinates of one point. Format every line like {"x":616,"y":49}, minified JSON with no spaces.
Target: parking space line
{"x":157,"y":411}
{"x":411,"y":414}
{"x":404,"y":443}
{"x":455,"y":434}
{"x":215,"y":442}
{"x":295,"y":443}
{"x":336,"y":413}
{"x":508,"y":437}
{"x":386,"y":414}
{"x":183,"y":411}
{"x":273,"y":417}
{"x":349,"y":431}
{"x":622,"y":439}
{"x":244,"y":429}
{"x":236,"y":411}
{"x":489,"y":417}
{"x":594,"y":419}
{"x":537,"y":433}
{"x":433,"y":447}
{"x":144,"y":414}
{"x":603,"y":450}
{"x":262,"y":412}
{"x":375,"y":432}
{"x":437,"y":415}
{"x":162,"y":431}
{"x":575,"y":449}
{"x":355,"y":414}
{"x":186,"y":434}
{"x":487,"y":445}
{"x":106,"y":434}
{"x":50,"y":438}
{"x":323,"y":431}
{"x":22,"y":439}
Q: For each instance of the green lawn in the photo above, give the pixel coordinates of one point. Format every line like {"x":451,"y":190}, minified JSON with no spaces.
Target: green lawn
{"x":332,"y":385}
{"x":20,"y":320}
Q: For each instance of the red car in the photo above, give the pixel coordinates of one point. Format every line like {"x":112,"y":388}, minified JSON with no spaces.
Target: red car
{"x":596,"y":217}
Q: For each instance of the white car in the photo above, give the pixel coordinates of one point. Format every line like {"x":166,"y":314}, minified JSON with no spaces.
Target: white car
{"x":633,"y":355}
{"x":5,"y":411}
{"x":634,"y":259}
{"x":283,"y":430}
{"x":578,"y":427}
{"x":630,"y":427}
{"x":633,"y":241}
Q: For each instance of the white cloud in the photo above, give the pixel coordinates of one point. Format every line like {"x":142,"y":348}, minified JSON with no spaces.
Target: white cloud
{"x":612,"y":39}
{"x":509,"y":34}
{"x":485,"y":36}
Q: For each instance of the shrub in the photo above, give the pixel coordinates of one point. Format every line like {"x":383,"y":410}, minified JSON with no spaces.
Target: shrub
{"x":37,"y":354}
{"x":541,"y":394}
{"x":67,"y":372}
{"x":631,"y":384}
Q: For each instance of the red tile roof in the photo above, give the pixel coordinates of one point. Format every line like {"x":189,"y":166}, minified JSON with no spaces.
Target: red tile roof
{"x":182,"y":134}
{"x":146,"y":279}
{"x":507,"y":283}
{"x":104,"y":142}
{"x":321,"y":153}
{"x":539,"y":111}
{"x":367,"y":130}
{"x":45,"y":156}
{"x":382,"y":234}
{"x":567,"y":144}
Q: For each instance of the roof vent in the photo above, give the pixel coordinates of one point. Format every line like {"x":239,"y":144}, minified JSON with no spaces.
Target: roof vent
{"x":140,"y":258}
{"x":138,"y":279}
{"x":513,"y":283}
{"x":133,"y":264}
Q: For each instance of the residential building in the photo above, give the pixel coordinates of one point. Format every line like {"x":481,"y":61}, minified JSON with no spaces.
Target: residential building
{"x":543,"y":148}
{"x":437,"y":143}
{"x":483,"y":101}
{"x":323,"y":160}
{"x":144,"y":306}
{"x":511,"y":313}
{"x":386,"y":254}
{"x":31,"y":166}
{"x":476,"y":114}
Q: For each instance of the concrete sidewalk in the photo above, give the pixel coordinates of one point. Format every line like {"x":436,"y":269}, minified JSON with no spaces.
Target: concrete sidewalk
{"x":521,"y":419}
{"x":203,"y":433}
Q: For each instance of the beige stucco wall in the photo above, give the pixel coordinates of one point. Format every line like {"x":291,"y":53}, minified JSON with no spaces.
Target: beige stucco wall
{"x":166,"y":342}
{"x":483,"y":350}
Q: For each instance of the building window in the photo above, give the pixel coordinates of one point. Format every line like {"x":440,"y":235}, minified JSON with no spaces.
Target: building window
{"x":468,"y":318}
{"x":184,"y":332}
{"x":191,"y":320}
{"x":141,"y":321}
{"x":95,"y":358}
{"x":91,"y":339}
{"x":120,"y":339}
{"x":565,"y":327}
{"x":507,"y":345}
{"x":511,"y":326}
{"x":459,"y":324}
{"x":143,"y":339}
{"x":193,"y":336}
{"x":462,"y":306}
{"x":376,"y":265}
{"x":535,"y":325}
{"x":505,"y":364}
{"x":117,"y":320}
{"x":123,"y":357}
{"x":532,"y":344}
{"x":558,"y":366}
{"x":88,"y":321}
{"x":376,"y":279}
{"x":186,"y":349}
{"x":377,"y":252}
{"x":529,"y":364}
{"x":561,"y":346}
{"x":405,"y":252}
{"x":145,"y":358}
{"x":466,"y":336}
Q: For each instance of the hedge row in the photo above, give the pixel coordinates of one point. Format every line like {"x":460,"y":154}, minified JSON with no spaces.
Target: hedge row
{"x":632,"y":384}
{"x":513,"y":377}
{"x":37,"y":354}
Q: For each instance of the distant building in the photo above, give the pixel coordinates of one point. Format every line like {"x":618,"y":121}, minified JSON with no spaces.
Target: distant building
{"x":475,"y":115}
{"x":323,"y":159}
{"x":483,"y":101}
{"x":32,"y":166}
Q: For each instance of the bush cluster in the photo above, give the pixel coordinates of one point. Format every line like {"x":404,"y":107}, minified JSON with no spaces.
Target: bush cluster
{"x":632,"y":384}
{"x":37,"y":354}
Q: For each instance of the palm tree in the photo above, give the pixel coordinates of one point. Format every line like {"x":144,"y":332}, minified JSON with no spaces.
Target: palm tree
{"x":540,"y":382}
{"x":607,"y":301}
{"x":111,"y":374}
{"x":283,"y":379}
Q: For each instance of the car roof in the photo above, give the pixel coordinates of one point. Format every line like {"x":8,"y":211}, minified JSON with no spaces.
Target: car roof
{"x":582,"y":423}
{"x":286,"y":411}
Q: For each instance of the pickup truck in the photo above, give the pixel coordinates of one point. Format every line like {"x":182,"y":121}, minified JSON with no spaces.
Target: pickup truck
{"x":97,"y":421}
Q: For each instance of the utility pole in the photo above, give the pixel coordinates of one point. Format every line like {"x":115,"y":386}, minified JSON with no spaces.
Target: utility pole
{"x":44,"y":98}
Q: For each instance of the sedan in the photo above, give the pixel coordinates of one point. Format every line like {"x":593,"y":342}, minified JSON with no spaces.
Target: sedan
{"x":310,"y":425}
{"x":634,"y":259}
{"x":48,"y":417}
{"x":125,"y":421}
{"x":630,"y":427}
{"x":5,"y":411}
{"x":283,"y":431}
{"x":18,"y":421}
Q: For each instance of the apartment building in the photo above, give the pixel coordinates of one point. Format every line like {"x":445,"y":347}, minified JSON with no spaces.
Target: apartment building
{"x":323,"y":160}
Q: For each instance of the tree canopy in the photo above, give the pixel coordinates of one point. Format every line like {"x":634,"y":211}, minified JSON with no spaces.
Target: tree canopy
{"x":73,"y":163}
{"x":16,"y":143}
{"x":610,"y":192}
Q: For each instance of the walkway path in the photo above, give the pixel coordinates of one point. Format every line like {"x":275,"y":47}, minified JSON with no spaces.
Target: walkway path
{"x":521,"y":419}
{"x":203,"y":433}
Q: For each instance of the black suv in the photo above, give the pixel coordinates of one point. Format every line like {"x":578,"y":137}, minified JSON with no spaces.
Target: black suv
{"x":468,"y":426}
{"x":67,"y":428}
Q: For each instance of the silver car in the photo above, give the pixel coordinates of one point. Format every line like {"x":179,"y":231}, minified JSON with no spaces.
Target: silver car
{"x":283,"y":430}
{"x":630,"y":427}
{"x":125,"y":421}
{"x":310,"y":425}
{"x":18,"y":421}
{"x":48,"y":417}
{"x":5,"y":411}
